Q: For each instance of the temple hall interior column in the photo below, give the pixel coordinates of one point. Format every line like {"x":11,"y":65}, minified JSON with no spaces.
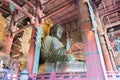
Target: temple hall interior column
{"x":93,"y":63}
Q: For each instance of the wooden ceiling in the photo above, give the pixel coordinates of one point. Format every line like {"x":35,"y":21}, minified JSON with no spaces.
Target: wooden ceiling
{"x":109,"y":11}
{"x":60,"y":11}
{"x":63,"y":11}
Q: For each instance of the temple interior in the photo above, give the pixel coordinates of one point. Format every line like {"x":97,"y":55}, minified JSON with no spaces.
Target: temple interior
{"x":88,"y":40}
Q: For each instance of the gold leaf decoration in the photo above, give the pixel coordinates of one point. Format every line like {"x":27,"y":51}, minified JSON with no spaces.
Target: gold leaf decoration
{"x":46,"y":25}
{"x":25,"y":44}
{"x":3,"y":26}
{"x":25,"y":40}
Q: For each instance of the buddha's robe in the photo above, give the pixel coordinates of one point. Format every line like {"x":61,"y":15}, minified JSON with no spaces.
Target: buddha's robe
{"x":53,"y":50}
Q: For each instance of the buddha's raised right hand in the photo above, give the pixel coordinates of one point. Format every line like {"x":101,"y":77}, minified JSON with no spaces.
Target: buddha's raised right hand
{"x":68,"y":44}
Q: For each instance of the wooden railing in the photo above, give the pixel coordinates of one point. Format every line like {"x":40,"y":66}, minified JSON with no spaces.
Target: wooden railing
{"x":50,"y":76}
{"x":62,"y":76}
{"x":115,"y":75}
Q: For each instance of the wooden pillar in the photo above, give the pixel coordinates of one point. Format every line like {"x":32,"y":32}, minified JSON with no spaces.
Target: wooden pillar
{"x":34,"y":52}
{"x":37,"y":23}
{"x":12,"y":29}
{"x":111,"y":51}
{"x":30,"y":59}
{"x":106,"y":55}
{"x":108,"y":59}
{"x":9,"y":43}
{"x":94,"y":67}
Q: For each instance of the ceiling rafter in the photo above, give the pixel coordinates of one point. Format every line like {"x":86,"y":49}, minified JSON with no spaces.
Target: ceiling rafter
{"x":21,"y":3}
{"x":65,"y":14}
{"x":111,"y":12}
{"x":49,"y":1}
{"x":1,"y":4}
{"x":29,"y":4}
{"x":73,"y":17}
{"x":56,"y":11}
{"x":68,"y":2}
{"x":4,"y":10}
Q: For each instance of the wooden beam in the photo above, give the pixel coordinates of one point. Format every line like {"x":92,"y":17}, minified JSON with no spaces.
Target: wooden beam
{"x":16,"y":51}
{"x":64,"y":14}
{"x":18,"y":31}
{"x":4,"y":10}
{"x":29,"y":4}
{"x":67,"y":20}
{"x":55,"y":12}
{"x":50,"y":1}
{"x":20,"y":9}
{"x":113,"y":24}
{"x":111,"y":11}
{"x":58,"y":9}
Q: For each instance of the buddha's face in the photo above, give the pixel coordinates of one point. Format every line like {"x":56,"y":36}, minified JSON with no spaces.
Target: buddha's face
{"x":59,"y":33}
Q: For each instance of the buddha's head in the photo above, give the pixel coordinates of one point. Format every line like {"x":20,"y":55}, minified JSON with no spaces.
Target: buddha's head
{"x":56,"y":31}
